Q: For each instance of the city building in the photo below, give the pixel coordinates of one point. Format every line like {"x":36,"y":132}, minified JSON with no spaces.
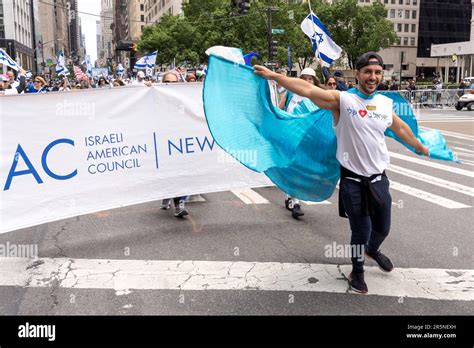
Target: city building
{"x":400,"y":58}
{"x":74,"y":31}
{"x":17,"y":31}
{"x":446,"y":31}
{"x":155,"y":9}
{"x":106,"y":53}
{"x":98,"y":31}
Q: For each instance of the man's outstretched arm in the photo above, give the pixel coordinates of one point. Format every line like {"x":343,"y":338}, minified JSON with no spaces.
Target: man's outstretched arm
{"x":325,"y":99}
{"x":403,"y":131}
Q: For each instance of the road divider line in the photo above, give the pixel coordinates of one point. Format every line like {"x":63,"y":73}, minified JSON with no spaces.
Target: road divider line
{"x":426,"y":196}
{"x":454,"y":186}
{"x":125,"y":276}
{"x":433,"y":164}
{"x":249,"y":196}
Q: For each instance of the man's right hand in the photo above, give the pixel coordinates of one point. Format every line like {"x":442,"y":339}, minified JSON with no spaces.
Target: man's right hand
{"x":264,"y":72}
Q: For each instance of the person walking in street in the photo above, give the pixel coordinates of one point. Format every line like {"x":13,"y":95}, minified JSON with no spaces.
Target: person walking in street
{"x":179,"y":202}
{"x":289,"y":102}
{"x":360,"y":118}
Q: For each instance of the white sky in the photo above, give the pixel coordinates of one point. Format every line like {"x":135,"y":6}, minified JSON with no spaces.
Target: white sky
{"x":89,"y":26}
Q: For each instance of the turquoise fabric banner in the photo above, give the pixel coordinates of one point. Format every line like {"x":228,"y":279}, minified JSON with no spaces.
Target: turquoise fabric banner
{"x":296,"y":151}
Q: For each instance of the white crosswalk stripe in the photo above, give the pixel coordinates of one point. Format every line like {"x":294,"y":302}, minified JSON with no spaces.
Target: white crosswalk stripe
{"x":249,"y":196}
{"x":125,"y":276}
{"x":316,"y":203}
{"x":433,"y":180}
{"x":433,"y":164}
{"x":429,"y":197}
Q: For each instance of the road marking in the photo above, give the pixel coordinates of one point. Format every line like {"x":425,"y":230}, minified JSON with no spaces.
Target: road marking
{"x":462,"y":149}
{"x":316,"y":203}
{"x":249,"y":196}
{"x":447,"y":120}
{"x":460,"y":153}
{"x":453,"y":134}
{"x":433,"y":164}
{"x":454,"y":186}
{"x":126,"y":275}
{"x":457,"y":142}
{"x":426,"y":196}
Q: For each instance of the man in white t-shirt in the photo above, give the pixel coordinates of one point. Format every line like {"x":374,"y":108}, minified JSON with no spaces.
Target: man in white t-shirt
{"x":360,"y":118}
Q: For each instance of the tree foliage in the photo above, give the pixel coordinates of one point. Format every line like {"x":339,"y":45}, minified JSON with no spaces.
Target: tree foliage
{"x":208,"y":23}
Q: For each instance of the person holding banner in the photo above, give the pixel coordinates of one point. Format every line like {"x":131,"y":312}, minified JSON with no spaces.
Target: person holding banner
{"x":8,"y":88}
{"x":360,"y":119}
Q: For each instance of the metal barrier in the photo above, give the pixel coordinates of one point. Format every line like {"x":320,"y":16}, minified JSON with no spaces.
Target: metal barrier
{"x":425,"y":98}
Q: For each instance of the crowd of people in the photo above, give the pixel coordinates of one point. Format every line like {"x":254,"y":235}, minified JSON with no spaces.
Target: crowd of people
{"x":20,"y":82}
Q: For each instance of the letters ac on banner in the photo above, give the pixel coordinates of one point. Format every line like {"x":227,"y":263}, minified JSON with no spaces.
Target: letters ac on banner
{"x":74,"y":153}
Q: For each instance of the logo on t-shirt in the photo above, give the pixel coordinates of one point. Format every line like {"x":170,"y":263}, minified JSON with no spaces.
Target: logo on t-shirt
{"x":362,"y":113}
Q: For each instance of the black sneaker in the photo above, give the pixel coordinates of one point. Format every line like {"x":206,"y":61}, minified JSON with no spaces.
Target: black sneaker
{"x":165,"y":204}
{"x":289,"y":203}
{"x":357,"y":283}
{"x":296,"y":211}
{"x":180,"y":211}
{"x":383,"y":261}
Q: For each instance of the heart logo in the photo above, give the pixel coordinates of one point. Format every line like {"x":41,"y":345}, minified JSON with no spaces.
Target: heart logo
{"x":362,"y":113}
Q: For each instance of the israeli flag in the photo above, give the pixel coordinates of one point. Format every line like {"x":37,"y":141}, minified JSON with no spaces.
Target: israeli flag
{"x":146,"y":62}
{"x":5,"y":59}
{"x":61,"y":65}
{"x":88,"y":63}
{"x":324,"y":48}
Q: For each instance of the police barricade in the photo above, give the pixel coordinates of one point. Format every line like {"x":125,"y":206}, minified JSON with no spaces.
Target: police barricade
{"x":428,"y":98}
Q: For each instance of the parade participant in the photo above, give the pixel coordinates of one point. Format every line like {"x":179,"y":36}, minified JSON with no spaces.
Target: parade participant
{"x":10,"y":89}
{"x":39,"y":85}
{"x":331,"y":83}
{"x":360,"y":118}
{"x":179,"y":202}
{"x":288,"y":102}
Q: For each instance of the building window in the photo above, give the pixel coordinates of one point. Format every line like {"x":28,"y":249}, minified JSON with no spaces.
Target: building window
{"x":415,"y":2}
{"x":142,"y":18}
{"x":393,"y":2}
{"x":142,"y":7}
{"x":399,"y":27}
{"x":400,"y":2}
{"x":407,"y":14}
{"x":392,"y":13}
{"x":407,"y":28}
{"x":413,"y":14}
{"x":385,"y":1}
{"x":407,"y":2}
{"x":405,"y":41}
{"x":399,"y":40}
{"x":400,"y":13}
{"x":413,"y":28}
{"x":412,"y":41}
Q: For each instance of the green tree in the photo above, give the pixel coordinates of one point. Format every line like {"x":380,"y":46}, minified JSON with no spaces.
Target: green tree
{"x":356,"y":29}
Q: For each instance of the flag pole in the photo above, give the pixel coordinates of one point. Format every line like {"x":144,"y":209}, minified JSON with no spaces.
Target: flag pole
{"x":318,"y":55}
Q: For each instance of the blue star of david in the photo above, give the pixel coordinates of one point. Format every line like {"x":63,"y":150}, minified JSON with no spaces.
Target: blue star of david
{"x":320,"y":36}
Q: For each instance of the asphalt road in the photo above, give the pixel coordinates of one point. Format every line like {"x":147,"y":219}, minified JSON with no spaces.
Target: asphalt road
{"x":424,"y":235}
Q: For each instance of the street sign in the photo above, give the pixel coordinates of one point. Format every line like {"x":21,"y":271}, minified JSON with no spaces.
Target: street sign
{"x":278,"y":31}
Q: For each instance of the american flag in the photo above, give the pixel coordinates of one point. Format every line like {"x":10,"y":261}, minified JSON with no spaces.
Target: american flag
{"x":80,"y":75}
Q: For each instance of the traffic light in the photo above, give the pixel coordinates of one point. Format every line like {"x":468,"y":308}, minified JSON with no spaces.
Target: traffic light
{"x":244,"y":6}
{"x":241,"y":6}
{"x":273,"y":48}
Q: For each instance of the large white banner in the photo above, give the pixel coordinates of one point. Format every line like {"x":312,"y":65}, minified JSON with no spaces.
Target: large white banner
{"x":73,"y":153}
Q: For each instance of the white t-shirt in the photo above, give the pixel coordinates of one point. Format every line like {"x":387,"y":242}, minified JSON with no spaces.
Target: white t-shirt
{"x":363,"y":120}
